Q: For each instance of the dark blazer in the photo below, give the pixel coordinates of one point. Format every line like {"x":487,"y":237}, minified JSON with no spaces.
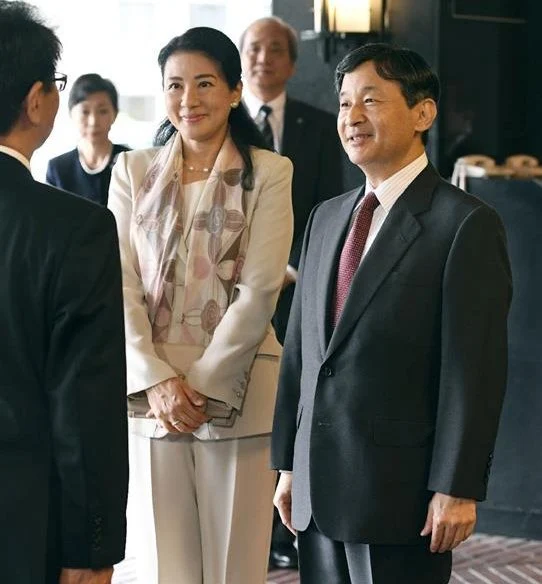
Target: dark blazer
{"x":403,"y":398}
{"x":311,"y":142}
{"x":65,"y":172}
{"x":63,"y":429}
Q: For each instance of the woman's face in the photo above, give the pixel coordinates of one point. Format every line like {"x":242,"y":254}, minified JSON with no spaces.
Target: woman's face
{"x":94,"y":117}
{"x":198,"y":99}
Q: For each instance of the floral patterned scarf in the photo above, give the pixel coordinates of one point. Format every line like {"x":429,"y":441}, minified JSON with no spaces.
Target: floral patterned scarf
{"x":212,"y":244}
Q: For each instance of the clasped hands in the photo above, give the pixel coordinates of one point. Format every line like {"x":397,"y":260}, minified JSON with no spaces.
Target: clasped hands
{"x":449,"y":521}
{"x":176,"y":406}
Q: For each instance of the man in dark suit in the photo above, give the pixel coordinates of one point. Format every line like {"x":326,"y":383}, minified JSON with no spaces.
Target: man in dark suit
{"x":308,"y":136}
{"x":394,"y":365}
{"x":63,"y":435}
{"x":305,"y":134}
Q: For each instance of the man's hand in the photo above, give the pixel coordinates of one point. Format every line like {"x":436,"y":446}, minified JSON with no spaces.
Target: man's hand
{"x":283,"y":500}
{"x":288,"y":280}
{"x":290,"y":277}
{"x":85,"y":576}
{"x":450,"y":521}
{"x":177,"y":406}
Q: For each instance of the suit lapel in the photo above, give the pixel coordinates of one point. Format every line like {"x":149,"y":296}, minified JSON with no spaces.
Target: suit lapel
{"x":294,"y":124}
{"x":399,"y":231}
{"x":333,"y":238}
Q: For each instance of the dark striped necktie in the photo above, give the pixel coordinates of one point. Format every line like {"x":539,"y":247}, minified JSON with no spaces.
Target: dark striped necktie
{"x":262,"y":121}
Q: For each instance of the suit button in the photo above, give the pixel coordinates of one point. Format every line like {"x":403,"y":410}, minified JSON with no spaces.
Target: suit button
{"x":328,"y":372}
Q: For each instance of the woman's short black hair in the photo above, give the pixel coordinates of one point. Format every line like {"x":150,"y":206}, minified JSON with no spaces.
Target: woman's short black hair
{"x":217,"y":47}
{"x":92,"y":83}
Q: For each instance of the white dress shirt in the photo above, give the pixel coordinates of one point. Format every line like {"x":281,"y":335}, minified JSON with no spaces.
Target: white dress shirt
{"x":17,"y":155}
{"x":388,"y":192}
{"x":276,"y":117}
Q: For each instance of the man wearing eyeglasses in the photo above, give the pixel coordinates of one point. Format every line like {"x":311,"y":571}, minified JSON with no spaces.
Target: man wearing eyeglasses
{"x":63,"y":447}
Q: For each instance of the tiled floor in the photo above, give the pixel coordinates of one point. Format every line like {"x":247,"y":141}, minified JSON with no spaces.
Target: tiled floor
{"x":481,"y":560}
{"x":498,"y":560}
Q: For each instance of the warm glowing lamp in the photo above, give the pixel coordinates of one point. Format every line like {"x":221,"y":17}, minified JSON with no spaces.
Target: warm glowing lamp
{"x":350,"y":22}
{"x":342,"y":16}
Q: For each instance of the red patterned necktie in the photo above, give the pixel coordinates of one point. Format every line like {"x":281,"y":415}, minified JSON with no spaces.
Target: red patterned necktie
{"x":352,"y":252}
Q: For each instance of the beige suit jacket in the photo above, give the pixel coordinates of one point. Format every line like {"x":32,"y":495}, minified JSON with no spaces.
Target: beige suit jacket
{"x":240,"y":365}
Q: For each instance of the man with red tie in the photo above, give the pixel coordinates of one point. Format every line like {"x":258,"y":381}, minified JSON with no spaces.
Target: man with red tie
{"x":394,"y":364}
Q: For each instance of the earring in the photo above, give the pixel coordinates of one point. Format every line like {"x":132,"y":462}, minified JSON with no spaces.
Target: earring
{"x":234,"y":104}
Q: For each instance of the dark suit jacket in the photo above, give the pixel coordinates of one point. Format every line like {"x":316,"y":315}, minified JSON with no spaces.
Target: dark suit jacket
{"x":63,"y":434}
{"x":311,"y":142}
{"x":403,"y":398}
{"x":65,"y":172}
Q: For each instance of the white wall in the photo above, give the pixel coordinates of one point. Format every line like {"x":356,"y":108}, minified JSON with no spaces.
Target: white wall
{"x":120,"y":40}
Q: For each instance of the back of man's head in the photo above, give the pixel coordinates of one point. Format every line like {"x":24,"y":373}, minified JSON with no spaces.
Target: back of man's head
{"x":29,"y":52}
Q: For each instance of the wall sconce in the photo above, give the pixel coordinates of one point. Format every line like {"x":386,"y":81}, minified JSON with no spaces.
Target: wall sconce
{"x":346,"y":22}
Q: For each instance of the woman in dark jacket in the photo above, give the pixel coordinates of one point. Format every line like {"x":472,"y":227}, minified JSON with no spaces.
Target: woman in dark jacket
{"x":86,"y":170}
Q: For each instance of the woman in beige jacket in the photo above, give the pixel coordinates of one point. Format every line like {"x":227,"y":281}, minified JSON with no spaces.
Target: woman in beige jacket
{"x":205,"y":227}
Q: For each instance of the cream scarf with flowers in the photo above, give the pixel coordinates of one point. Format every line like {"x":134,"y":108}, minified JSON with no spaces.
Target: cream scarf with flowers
{"x":212,"y":243}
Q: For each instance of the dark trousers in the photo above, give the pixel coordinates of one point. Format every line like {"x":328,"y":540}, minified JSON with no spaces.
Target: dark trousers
{"x":322,"y":559}
{"x":282,"y":537}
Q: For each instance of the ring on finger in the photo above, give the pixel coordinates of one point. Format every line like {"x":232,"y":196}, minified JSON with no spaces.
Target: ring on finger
{"x":176,"y":423}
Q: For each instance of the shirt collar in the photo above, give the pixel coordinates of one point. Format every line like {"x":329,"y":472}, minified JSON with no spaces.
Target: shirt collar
{"x":15,"y":154}
{"x":393,"y":187}
{"x":254,"y":103}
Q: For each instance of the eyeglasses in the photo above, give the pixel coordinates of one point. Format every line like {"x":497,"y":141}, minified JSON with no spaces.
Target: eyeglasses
{"x":60,"y":79}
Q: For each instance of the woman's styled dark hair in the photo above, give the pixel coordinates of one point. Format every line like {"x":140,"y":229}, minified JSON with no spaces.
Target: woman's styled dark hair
{"x":29,"y":52}
{"x":217,"y":47}
{"x":92,"y":83}
{"x":404,"y":66}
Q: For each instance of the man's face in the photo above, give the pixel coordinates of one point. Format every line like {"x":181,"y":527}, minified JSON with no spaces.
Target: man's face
{"x":378,"y":130}
{"x":265,"y":58}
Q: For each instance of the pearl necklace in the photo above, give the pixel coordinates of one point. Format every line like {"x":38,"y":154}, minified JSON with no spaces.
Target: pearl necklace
{"x":194,"y":169}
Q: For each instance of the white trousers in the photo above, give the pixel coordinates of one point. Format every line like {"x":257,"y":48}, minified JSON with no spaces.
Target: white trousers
{"x":200,"y":512}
